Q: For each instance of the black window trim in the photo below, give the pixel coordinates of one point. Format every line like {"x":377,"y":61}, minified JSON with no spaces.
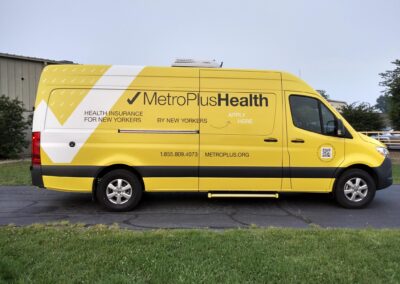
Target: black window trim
{"x":319,"y":103}
{"x":321,"y":121}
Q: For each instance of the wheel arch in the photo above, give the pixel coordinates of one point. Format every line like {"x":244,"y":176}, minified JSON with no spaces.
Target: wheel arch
{"x":363,"y":167}
{"x":110,"y":168}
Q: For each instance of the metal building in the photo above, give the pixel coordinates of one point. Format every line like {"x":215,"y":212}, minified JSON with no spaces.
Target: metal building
{"x":19,"y":78}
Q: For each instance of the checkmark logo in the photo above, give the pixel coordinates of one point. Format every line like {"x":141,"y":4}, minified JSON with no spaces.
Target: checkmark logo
{"x":132,"y":100}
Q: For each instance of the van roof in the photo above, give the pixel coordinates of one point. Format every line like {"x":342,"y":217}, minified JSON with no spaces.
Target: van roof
{"x":289,"y":81}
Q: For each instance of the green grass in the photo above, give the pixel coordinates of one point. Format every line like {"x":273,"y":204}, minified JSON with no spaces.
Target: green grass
{"x":68,"y":254}
{"x":15,"y":173}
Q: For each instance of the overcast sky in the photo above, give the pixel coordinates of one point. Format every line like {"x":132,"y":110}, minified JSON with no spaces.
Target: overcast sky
{"x":340,"y":46}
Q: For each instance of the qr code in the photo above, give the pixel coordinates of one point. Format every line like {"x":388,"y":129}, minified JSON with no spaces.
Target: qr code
{"x":326,"y":153}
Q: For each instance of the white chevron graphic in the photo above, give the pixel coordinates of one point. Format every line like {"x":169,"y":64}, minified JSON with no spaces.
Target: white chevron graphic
{"x":105,"y":93}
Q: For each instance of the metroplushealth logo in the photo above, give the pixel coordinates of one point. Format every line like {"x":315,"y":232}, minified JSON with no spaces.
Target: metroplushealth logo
{"x":220,"y":99}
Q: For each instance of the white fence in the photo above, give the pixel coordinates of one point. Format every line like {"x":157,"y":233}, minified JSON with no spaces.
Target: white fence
{"x":391,"y":139}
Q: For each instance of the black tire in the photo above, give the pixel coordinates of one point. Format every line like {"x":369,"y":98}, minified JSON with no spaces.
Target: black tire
{"x":350,"y":195}
{"x":114,"y":177}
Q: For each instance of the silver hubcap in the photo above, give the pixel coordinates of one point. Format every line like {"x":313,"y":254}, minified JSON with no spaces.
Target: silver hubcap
{"x":119,"y":191}
{"x":355,"y":189}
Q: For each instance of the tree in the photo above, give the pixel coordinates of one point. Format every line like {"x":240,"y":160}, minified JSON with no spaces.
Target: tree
{"x":362,"y":117}
{"x":391,"y":82}
{"x":323,"y":93}
{"x":383,"y":103}
{"x":12,"y":127}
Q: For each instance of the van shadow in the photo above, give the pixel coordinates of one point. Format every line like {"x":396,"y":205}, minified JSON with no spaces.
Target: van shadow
{"x":200,"y":200}
{"x":172,"y":201}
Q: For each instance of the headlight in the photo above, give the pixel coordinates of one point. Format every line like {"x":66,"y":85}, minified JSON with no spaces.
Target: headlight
{"x":383,"y":151}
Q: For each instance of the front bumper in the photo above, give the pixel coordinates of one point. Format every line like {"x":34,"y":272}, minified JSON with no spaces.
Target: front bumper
{"x":36,"y":174}
{"x":383,"y":174}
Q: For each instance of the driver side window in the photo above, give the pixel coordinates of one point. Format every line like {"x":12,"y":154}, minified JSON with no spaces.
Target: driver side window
{"x":311,"y":115}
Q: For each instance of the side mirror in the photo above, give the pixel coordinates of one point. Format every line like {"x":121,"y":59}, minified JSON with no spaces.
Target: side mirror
{"x":340,"y":131}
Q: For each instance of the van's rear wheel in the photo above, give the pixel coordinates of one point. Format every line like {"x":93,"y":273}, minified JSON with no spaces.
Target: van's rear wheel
{"x":119,"y":190}
{"x":355,"y":188}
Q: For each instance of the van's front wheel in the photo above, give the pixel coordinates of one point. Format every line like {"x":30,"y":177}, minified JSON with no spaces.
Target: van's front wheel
{"x":119,"y":190}
{"x":355,"y":188}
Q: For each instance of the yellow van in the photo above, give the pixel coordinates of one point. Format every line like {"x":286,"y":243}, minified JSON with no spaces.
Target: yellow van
{"x":117,"y":131}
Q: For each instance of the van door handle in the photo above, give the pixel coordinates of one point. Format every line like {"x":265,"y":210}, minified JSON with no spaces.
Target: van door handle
{"x":270,"y":140}
{"x":297,"y":140}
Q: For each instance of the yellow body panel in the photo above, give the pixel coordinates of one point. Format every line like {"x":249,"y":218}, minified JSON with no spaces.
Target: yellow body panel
{"x":67,"y":76}
{"x":234,"y":135}
{"x":311,"y":185}
{"x":240,"y":184}
{"x":171,"y":184}
{"x":73,"y":184}
{"x":214,"y":128}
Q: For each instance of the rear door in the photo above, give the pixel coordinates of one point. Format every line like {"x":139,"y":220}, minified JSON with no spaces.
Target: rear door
{"x":240,"y":131}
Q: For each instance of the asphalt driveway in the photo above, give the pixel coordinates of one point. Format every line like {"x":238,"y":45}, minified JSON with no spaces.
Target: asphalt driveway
{"x":23,"y":205}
